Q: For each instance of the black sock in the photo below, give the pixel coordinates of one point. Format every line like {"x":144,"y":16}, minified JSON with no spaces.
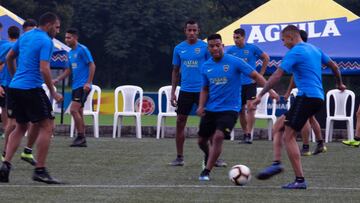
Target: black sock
{"x":180,"y":156}
{"x":320,"y":142}
{"x":206,"y":171}
{"x":300,"y":179}
{"x":276,"y":163}
{"x":8,"y":164}
{"x":81,"y":135}
{"x":40,"y":170}
{"x":306,"y":146}
{"x":206,"y":159}
{"x":27,"y":150}
{"x":357,"y":138}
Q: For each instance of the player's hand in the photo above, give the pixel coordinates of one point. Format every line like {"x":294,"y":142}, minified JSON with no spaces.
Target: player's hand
{"x":254,"y":103}
{"x":2,"y":92}
{"x":274,"y":95}
{"x":58,"y":97}
{"x":200,"y":111}
{"x":286,"y":97}
{"x":87,"y":87}
{"x":55,"y":81}
{"x":341,"y":87}
{"x":173,"y":100}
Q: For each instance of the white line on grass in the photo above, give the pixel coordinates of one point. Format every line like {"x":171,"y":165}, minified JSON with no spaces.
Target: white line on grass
{"x":169,"y":186}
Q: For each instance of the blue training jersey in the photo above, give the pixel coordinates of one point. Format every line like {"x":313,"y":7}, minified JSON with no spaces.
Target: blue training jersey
{"x":223,"y":80}
{"x":249,"y":53}
{"x":190,"y":58}
{"x":304,"y":61}
{"x":2,"y":41}
{"x":79,"y":59}
{"x":32,"y":47}
{"x":5,"y":76}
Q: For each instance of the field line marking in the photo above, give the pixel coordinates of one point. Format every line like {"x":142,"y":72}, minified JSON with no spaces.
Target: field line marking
{"x":171,"y":186}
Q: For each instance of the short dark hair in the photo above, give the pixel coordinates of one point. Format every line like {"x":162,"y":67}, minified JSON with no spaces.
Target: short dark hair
{"x":240,"y":31}
{"x":48,"y":17}
{"x":13,"y":32}
{"x":214,"y":36}
{"x":292,"y":29}
{"x":29,"y":23}
{"x":190,"y":22}
{"x":73,"y":31}
{"x":304,"y":35}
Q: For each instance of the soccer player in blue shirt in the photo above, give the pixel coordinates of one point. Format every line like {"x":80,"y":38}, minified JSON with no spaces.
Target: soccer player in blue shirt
{"x":83,"y":70}
{"x":29,"y":101}
{"x":1,"y":41}
{"x":188,"y":58}
{"x":304,"y":61}
{"x":8,"y":123}
{"x":220,"y":100}
{"x":26,"y":155}
{"x":1,"y":27}
{"x":250,"y":53}
{"x":311,"y":125}
{"x":29,"y":24}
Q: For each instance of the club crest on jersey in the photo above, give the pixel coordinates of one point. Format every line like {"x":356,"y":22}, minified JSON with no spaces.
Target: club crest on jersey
{"x":197,"y":50}
{"x":246,"y":52}
{"x":226,"y":68}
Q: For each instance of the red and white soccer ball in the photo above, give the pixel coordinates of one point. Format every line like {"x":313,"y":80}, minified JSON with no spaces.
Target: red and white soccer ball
{"x":240,"y":174}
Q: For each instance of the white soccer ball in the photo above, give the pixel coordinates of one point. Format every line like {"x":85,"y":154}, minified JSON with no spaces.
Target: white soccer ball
{"x":240,"y":174}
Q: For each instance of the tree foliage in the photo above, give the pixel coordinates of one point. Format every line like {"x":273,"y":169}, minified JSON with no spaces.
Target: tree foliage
{"x":132,"y":40}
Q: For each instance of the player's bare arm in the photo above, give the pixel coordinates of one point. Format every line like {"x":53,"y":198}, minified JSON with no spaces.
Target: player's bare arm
{"x":335,"y":69}
{"x":265,"y":61}
{"x":202,"y":101}
{"x":175,"y":76}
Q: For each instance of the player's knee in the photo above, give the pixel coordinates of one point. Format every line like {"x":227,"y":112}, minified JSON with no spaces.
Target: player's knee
{"x":181,"y":119}
{"x":218,"y":136}
{"x":74,"y":111}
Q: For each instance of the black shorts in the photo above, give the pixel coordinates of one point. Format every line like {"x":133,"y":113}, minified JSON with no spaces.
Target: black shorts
{"x":9,"y":104}
{"x":3,"y":99}
{"x":301,"y":110}
{"x":29,"y":105}
{"x":186,"y":101}
{"x":223,"y":121}
{"x":248,"y":92}
{"x":79,"y":95}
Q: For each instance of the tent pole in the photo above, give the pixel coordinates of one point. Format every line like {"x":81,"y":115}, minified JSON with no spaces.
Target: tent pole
{"x":62,"y":103}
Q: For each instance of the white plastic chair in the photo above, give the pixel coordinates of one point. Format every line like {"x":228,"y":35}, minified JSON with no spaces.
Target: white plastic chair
{"x":294,"y":93}
{"x":169,"y":111}
{"x":90,"y":111}
{"x":262,"y":112}
{"x":340,"y":103}
{"x":128,"y":94}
